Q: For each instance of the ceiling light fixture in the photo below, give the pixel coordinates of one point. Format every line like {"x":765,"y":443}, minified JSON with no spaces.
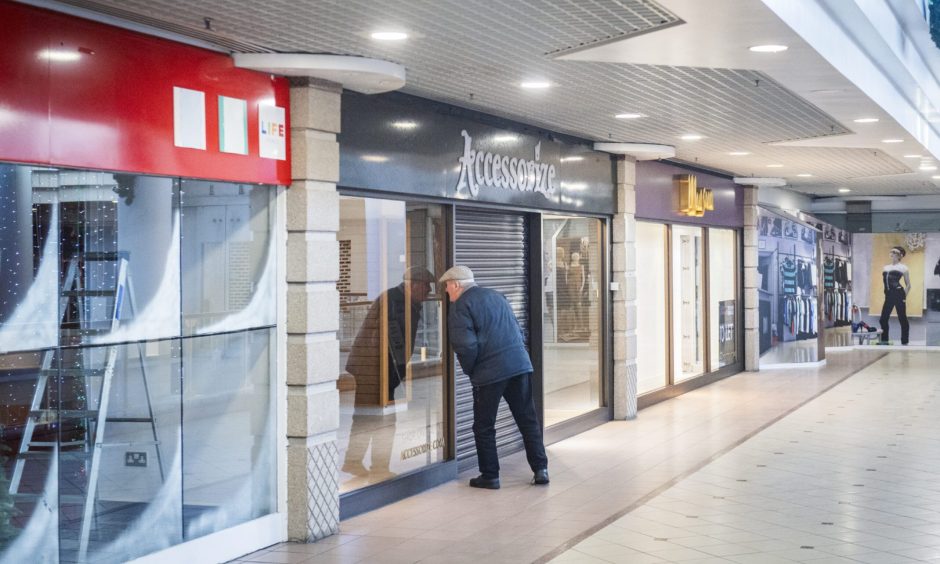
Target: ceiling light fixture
{"x":928,"y":167}
{"x":892,"y":140}
{"x":389,"y":35}
{"x":59,"y":56}
{"x":571,"y":159}
{"x":844,"y":190}
{"x":775,"y":166}
{"x":505,"y":138}
{"x":936,"y":177}
{"x":690,"y":137}
{"x":374,"y":158}
{"x":535,"y":84}
{"x":405,"y":124}
{"x":738,"y":153}
{"x":768,"y":48}
{"x":628,"y":116}
{"x":912,"y":156}
{"x":866,"y":120}
{"x":804,"y":175}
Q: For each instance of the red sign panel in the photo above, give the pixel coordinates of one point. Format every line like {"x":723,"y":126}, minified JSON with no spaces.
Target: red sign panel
{"x":82,"y":94}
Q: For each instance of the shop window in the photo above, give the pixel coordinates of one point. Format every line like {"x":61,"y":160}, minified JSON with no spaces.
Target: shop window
{"x":91,"y":334}
{"x":652,"y":304}
{"x":688,"y":312}
{"x":392,"y":417}
{"x":723,"y":292}
{"x":572,"y":276}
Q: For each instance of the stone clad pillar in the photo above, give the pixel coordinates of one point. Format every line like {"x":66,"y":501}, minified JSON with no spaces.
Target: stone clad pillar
{"x":623,"y":273}
{"x":313,"y":311}
{"x":751,"y":299}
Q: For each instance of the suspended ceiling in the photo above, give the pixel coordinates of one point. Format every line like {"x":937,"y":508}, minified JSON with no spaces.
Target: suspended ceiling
{"x":682,"y":64}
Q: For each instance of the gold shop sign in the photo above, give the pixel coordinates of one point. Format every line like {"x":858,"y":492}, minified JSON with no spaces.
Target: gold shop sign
{"x":693,"y":201}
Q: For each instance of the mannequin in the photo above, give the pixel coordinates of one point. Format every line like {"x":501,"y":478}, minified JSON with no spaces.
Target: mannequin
{"x":895,"y":295}
{"x":576,"y":282}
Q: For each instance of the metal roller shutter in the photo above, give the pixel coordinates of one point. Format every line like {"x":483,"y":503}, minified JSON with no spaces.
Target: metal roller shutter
{"x":495,"y":247}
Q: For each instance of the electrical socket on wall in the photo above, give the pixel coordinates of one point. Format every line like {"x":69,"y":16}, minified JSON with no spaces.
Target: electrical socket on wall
{"x":138,"y":459}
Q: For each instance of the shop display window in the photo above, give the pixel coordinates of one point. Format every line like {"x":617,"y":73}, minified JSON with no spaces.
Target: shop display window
{"x":97,"y":369}
{"x":688,"y":300}
{"x":392,"y":418}
{"x":723,"y":295}
{"x":652,"y":306}
{"x":572,"y":277}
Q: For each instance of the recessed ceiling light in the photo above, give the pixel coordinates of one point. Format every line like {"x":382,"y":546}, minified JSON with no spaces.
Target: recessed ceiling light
{"x":374,"y":158}
{"x":535,"y":84}
{"x":389,"y":35}
{"x":768,"y":48}
{"x":775,"y":166}
{"x":628,"y":116}
{"x":690,"y":137}
{"x":571,"y":159}
{"x":404,"y":124}
{"x":936,"y":177}
{"x":738,"y":153}
{"x":928,"y":167}
{"x":61,"y":56}
{"x":844,"y":190}
{"x":504,"y":138}
{"x":865,"y":120}
{"x":912,"y":156}
{"x":804,"y":175}
{"x":892,"y":140}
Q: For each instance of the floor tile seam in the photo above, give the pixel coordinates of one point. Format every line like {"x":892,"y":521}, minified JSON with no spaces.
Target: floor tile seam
{"x":672,"y":482}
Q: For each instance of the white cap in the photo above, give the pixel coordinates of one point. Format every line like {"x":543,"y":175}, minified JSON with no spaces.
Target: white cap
{"x":459,"y":273}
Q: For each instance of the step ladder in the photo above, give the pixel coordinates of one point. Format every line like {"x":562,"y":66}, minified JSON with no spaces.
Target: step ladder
{"x":96,"y":419}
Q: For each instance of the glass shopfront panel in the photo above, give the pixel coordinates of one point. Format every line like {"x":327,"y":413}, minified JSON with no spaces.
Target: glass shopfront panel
{"x":392,"y":418}
{"x":96,"y":373}
{"x":688,"y":312}
{"x":228,"y":260}
{"x":652,"y":305}
{"x":722,"y":303}
{"x":572,"y":275}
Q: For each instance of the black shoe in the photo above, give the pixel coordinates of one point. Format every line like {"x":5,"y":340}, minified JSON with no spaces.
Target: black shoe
{"x":541,"y":477}
{"x":485,"y":483}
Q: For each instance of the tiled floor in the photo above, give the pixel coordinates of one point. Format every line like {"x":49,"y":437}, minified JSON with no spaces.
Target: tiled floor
{"x":721,"y":474}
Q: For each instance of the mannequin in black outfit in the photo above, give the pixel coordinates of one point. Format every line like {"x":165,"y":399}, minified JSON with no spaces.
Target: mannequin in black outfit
{"x":895,"y":294}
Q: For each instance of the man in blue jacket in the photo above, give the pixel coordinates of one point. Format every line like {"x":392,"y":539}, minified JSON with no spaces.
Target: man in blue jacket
{"x":488,"y":341}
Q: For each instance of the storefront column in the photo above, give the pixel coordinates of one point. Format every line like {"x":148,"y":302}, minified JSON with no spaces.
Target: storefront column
{"x":751,"y":299}
{"x":313,"y":312}
{"x":623,"y":273}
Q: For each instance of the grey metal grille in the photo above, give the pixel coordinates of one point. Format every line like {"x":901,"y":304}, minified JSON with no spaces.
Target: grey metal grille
{"x":494,"y":246}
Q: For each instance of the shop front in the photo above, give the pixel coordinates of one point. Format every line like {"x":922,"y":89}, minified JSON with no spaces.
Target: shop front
{"x":138,"y":341}
{"x":688,"y":276}
{"x":424,"y":186}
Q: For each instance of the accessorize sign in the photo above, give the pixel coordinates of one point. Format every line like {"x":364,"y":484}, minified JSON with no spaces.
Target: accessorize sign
{"x":693,"y":201}
{"x":480,"y":168}
{"x":401,"y":144}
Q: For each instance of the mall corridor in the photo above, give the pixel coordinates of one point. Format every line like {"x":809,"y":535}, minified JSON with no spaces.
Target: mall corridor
{"x":825,"y":465}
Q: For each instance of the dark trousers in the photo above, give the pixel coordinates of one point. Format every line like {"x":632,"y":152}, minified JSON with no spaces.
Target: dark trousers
{"x":895,"y":299}
{"x":517,"y":392}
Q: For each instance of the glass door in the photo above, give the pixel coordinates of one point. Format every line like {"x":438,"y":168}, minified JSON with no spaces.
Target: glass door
{"x":572,"y":277}
{"x":688,"y":313}
{"x":652,"y":362}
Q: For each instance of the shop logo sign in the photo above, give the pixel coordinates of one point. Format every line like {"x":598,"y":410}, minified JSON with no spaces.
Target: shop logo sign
{"x":480,"y":168}
{"x":693,"y":201}
{"x":272,"y":136}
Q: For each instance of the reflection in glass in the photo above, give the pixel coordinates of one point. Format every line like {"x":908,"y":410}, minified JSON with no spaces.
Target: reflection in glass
{"x":687,"y":302}
{"x":29,"y":508}
{"x":722,"y":288}
{"x":651,"y":304}
{"x":391,"y":393}
{"x":29,"y":248}
{"x":572,"y":276}
{"x":228,"y":256}
{"x":91,"y":465}
{"x":119,"y":266}
{"x":228,"y":416}
{"x":119,"y":451}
